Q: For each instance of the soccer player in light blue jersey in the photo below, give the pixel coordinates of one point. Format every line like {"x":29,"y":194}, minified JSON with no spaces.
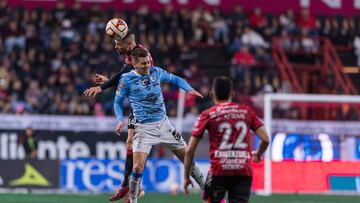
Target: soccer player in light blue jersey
{"x":152,"y":127}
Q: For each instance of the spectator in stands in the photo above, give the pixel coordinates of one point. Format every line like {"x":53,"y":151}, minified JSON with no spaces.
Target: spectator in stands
{"x":308,"y":44}
{"x":236,"y":43}
{"x":253,"y":39}
{"x":238,"y":15}
{"x":345,"y":34}
{"x":49,"y":58}
{"x":326,"y":28}
{"x":241,"y":63}
{"x":305,"y":20}
{"x":13,"y":36}
{"x":201,"y":19}
{"x":195,"y":76}
{"x":257,"y":20}
{"x":287,"y":21}
{"x":221,"y":31}
{"x":285,"y":41}
{"x":356,"y":45}
{"x":29,"y":142}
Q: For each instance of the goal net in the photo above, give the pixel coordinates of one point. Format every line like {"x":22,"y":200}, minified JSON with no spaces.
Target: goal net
{"x":315,"y":145}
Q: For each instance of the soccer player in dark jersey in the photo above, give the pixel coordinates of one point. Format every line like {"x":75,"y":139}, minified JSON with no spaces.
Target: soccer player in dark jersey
{"x":229,"y":126}
{"x":124,"y":46}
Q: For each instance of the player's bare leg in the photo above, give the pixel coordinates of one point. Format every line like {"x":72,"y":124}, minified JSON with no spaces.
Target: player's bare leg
{"x":124,"y":189}
{"x":195,"y":170}
{"x":136,"y":174}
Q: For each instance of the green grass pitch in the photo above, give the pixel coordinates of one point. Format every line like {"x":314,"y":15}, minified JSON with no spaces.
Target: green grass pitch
{"x":167,"y":198}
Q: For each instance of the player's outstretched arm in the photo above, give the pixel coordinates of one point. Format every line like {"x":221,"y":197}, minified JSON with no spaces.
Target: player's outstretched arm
{"x":195,"y":93}
{"x":106,"y":83}
{"x":264,"y":143}
{"x":114,"y":80}
{"x":188,"y":160}
{"x":100,"y":79}
{"x":92,"y":91}
{"x":178,"y":81}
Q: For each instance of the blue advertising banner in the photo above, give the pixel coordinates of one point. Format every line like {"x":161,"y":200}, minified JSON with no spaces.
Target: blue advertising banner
{"x":94,"y":175}
{"x":305,"y":147}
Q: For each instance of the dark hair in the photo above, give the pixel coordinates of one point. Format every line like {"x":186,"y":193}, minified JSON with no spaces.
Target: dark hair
{"x":139,"y":52}
{"x":222,"y":87}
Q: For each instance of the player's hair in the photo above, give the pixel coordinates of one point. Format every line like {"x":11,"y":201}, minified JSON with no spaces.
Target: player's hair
{"x":129,"y":37}
{"x":139,"y":52}
{"x":222,"y":87}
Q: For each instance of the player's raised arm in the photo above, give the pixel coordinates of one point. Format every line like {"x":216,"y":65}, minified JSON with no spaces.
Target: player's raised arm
{"x":121,"y":92}
{"x":178,"y":81}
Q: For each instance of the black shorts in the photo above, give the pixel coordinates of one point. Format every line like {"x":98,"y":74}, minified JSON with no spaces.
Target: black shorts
{"x":131,"y":121}
{"x":238,"y":188}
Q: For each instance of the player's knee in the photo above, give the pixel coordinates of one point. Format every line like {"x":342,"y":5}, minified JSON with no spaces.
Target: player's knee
{"x":137,"y":168}
{"x":129,"y":143}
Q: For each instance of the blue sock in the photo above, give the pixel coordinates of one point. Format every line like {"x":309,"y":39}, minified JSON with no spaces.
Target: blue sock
{"x":135,"y":175}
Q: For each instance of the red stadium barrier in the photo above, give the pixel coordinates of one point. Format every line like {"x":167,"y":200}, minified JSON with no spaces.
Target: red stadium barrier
{"x":308,"y":177}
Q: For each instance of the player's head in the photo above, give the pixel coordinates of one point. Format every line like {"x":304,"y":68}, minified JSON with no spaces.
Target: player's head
{"x":125,"y":45}
{"x":141,"y":60}
{"x":222,"y":89}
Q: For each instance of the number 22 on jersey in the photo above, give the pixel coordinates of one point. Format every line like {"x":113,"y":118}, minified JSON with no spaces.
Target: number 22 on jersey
{"x":226,"y":129}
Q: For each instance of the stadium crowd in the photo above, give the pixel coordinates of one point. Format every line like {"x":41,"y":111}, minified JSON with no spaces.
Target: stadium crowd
{"x":48,"y":58}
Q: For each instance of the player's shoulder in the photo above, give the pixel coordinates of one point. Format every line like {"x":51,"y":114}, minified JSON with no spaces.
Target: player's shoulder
{"x":241,"y":106}
{"x":156,"y":70}
{"x":208,"y":111}
{"x":128,"y":76}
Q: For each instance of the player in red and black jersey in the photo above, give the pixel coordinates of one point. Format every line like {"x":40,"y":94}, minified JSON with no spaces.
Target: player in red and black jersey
{"x":231,"y":156}
{"x":124,"y":46}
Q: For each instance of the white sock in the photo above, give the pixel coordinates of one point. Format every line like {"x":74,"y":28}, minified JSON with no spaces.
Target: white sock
{"x":134,"y":187}
{"x":198,"y":176}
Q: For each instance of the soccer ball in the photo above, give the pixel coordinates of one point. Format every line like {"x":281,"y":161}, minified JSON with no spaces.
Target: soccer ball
{"x":116,"y":28}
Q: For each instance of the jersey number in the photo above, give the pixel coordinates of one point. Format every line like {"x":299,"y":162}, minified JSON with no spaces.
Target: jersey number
{"x":226,"y":129}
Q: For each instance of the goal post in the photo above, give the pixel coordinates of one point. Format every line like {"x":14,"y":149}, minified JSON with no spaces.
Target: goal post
{"x":269,"y":99}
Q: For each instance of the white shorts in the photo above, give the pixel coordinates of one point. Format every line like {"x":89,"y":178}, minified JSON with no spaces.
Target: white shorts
{"x":160,"y":132}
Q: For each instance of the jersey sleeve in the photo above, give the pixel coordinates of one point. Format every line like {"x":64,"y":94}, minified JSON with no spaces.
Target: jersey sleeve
{"x":121,"y":92}
{"x":113,"y":81}
{"x":200,"y":125}
{"x":255,"y":121}
{"x":173,"y":79}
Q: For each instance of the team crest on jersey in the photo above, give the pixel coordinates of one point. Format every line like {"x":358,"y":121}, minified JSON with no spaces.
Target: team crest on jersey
{"x":122,"y":85}
{"x":145,"y":81}
{"x":153,"y":78}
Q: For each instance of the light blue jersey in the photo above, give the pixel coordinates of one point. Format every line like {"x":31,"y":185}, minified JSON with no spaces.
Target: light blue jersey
{"x":145,"y":95}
